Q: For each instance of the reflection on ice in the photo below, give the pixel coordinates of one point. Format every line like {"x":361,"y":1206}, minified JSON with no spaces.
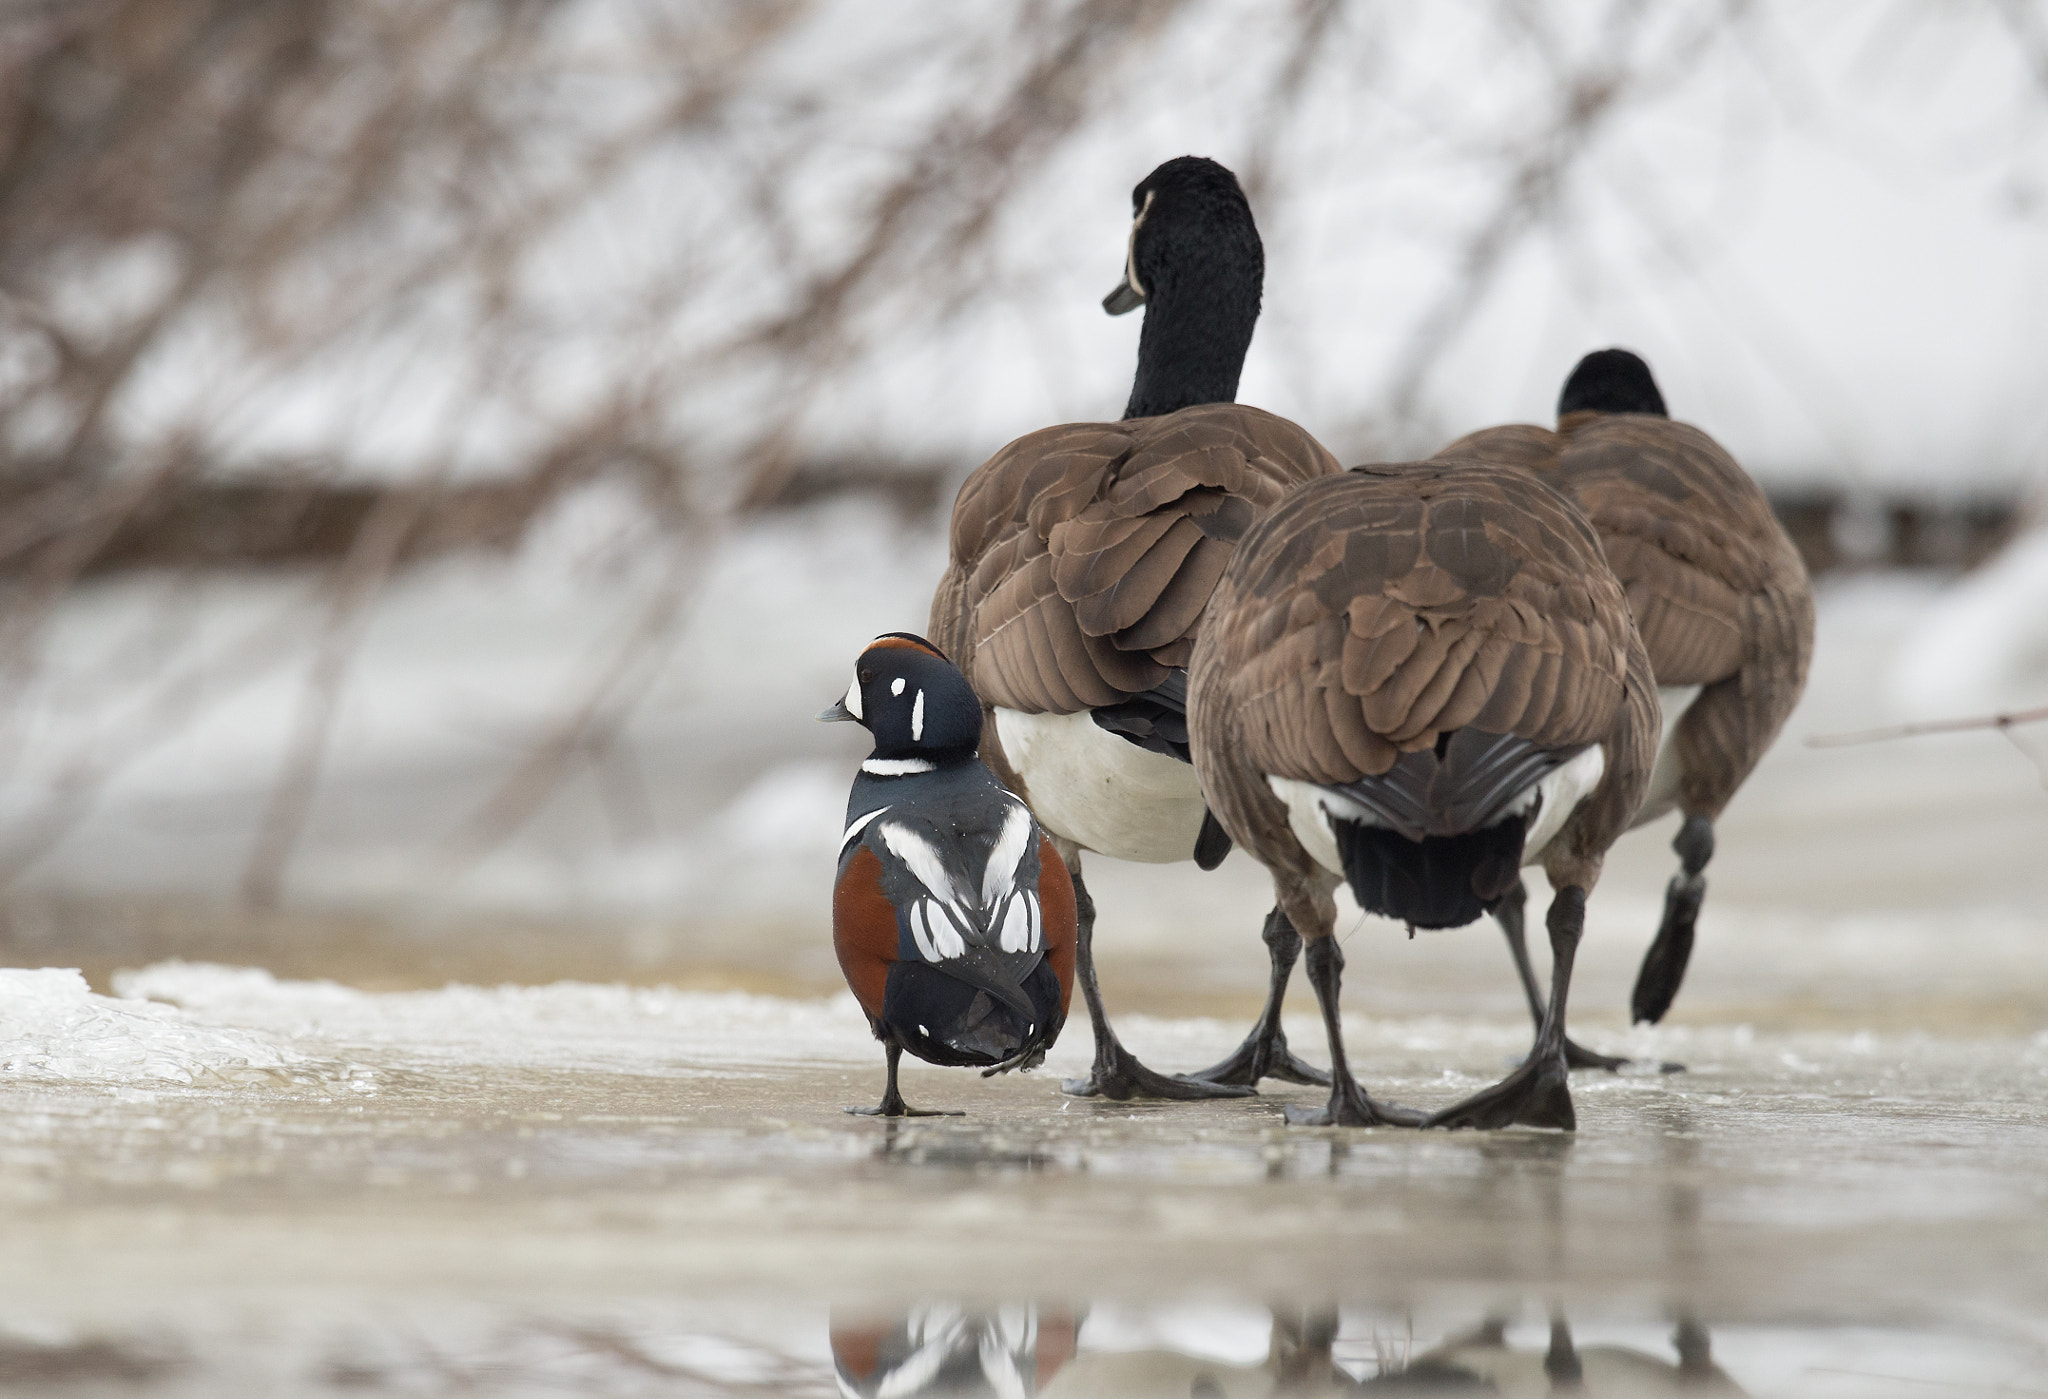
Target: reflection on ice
{"x":1059,"y":1351}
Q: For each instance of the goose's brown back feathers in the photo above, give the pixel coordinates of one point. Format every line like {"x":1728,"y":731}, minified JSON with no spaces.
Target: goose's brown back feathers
{"x":1083,"y":556}
{"x":1716,"y":586}
{"x":1688,"y":532}
{"x":1375,"y":612}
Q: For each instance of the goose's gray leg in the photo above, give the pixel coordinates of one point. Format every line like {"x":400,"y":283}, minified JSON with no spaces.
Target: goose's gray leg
{"x":1561,"y":1363}
{"x":1664,"y":964}
{"x":1264,"y":1053}
{"x":1510,"y":916}
{"x":1538,"y":1094}
{"x":1348,"y":1106}
{"x":1116,"y":1072}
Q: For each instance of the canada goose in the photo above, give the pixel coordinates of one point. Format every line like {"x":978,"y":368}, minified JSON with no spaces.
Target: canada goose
{"x":1082,"y":560}
{"x":1417,"y":678}
{"x":1719,"y":594}
{"x":952,"y":915}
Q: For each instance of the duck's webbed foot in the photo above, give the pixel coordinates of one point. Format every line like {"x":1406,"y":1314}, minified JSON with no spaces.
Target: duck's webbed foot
{"x":892,"y":1104}
{"x":1577,"y":1056}
{"x":1349,"y":1106}
{"x":899,"y":1108}
{"x":1117,"y":1074}
{"x":1264,"y":1054}
{"x":1536,"y":1095}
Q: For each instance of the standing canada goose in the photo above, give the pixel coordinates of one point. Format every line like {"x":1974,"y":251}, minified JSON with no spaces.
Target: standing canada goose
{"x":1082,"y":560}
{"x":1719,"y":594}
{"x":952,"y":915}
{"x":1418,"y":678}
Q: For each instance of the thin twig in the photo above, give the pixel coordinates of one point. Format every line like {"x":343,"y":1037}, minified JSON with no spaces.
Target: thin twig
{"x":1931,"y":726}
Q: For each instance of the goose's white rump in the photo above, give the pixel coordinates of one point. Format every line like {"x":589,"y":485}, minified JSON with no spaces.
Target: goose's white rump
{"x":1662,"y":794}
{"x":1554,"y":797}
{"x":1101,"y":791}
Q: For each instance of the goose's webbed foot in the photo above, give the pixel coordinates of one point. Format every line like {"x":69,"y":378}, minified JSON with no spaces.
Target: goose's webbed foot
{"x":1536,"y":1095}
{"x":1263,"y":1055}
{"x":1117,"y":1074}
{"x":1349,"y":1106}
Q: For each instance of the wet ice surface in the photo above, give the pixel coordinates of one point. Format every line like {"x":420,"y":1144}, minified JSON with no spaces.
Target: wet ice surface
{"x":227,"y":1180}
{"x":222,"y":1182}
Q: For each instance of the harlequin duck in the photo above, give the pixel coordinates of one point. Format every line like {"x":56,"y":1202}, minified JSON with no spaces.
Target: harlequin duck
{"x":953,"y":916}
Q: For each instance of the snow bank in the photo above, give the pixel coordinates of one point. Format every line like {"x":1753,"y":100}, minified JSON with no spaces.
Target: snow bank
{"x":1984,"y":642}
{"x":568,"y":1025}
{"x":56,"y":1029}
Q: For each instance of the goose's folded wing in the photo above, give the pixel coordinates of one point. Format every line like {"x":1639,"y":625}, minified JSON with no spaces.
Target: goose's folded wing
{"x":1521,"y":445}
{"x":1688,"y":533}
{"x":1108,"y":542}
{"x":1377,"y":610}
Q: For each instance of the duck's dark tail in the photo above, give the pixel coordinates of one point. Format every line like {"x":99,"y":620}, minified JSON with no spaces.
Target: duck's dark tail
{"x":943,"y":1019}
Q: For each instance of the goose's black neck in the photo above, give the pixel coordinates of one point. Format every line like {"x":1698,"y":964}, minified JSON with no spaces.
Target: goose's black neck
{"x":1190,"y":352}
{"x":1198,"y":254}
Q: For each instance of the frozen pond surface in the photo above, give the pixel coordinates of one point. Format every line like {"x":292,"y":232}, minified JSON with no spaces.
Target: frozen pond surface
{"x":625,"y":1177}
{"x":219,"y":1182}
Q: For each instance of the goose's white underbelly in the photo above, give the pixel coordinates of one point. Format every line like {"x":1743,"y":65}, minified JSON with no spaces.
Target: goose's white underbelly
{"x":1662,"y":793}
{"x":1103,"y":792}
{"x":1309,"y":808}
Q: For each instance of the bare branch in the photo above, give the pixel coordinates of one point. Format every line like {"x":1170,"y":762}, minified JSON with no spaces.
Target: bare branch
{"x":1932,"y":726}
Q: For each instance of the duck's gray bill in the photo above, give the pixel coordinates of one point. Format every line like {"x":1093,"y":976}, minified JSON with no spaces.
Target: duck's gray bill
{"x":835,"y":712}
{"x":1123,"y":299}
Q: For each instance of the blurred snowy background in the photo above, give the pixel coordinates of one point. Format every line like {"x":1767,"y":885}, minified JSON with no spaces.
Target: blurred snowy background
{"x":449,"y":448}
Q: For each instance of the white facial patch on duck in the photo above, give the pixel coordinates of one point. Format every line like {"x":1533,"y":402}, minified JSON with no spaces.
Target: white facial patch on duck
{"x":917,"y":718}
{"x":896,"y":686}
{"x":896,"y":767}
{"x":1103,"y":792}
{"x":852,"y":700}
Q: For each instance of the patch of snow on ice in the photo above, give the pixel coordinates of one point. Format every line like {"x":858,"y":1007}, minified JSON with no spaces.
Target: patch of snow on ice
{"x":612,"y":1028}
{"x":55,"y":1028}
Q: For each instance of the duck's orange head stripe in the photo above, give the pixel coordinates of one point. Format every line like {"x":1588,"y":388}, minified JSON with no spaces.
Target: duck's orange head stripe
{"x":903,"y":640}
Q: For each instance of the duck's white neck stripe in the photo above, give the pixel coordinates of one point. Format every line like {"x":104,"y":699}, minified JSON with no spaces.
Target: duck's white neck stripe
{"x":860,"y":824}
{"x":896,"y":767}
